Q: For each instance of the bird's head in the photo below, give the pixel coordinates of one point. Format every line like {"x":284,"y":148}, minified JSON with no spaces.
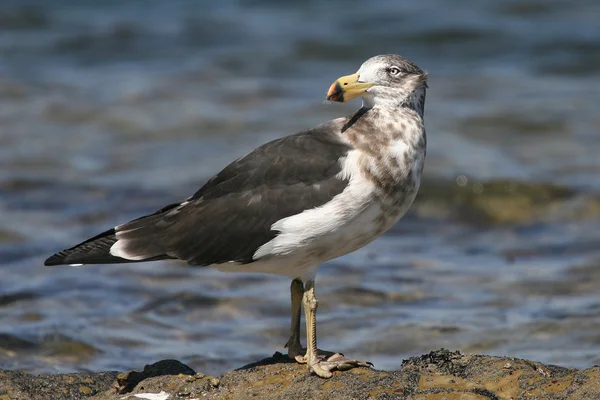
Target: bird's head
{"x":382,"y":81}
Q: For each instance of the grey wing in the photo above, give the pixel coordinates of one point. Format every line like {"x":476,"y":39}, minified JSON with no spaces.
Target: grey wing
{"x":231,"y":216}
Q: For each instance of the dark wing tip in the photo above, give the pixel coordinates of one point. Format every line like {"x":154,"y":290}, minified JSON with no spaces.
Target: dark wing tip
{"x":92,"y":251}
{"x":56,"y":259}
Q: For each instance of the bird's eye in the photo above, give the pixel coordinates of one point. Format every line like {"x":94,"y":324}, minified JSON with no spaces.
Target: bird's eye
{"x":395,"y":71}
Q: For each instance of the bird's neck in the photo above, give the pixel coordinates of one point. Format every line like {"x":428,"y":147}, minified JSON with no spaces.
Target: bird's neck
{"x":414,"y":100}
{"x":374,"y":128}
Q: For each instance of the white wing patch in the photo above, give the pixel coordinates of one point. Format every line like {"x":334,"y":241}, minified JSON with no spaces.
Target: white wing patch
{"x":119,"y":249}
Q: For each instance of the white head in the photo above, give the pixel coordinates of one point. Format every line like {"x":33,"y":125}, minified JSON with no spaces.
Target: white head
{"x":386,"y":81}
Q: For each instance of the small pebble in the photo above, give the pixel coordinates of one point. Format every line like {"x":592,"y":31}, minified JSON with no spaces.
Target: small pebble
{"x":543,"y":373}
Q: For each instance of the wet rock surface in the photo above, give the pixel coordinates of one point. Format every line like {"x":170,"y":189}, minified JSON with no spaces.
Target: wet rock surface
{"x":500,"y":202}
{"x":441,"y":374}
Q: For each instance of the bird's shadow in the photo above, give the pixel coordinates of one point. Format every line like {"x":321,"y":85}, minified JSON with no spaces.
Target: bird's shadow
{"x":127,"y":381}
{"x":277,"y":358}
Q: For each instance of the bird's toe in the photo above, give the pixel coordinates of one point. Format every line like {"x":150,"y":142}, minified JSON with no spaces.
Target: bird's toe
{"x":336,"y":362}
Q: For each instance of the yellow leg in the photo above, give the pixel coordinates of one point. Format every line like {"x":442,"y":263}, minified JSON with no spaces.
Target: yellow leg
{"x":310,"y":309}
{"x":321,"y":367}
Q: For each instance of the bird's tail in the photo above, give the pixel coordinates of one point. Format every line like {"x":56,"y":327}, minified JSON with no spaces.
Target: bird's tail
{"x":136,"y":241}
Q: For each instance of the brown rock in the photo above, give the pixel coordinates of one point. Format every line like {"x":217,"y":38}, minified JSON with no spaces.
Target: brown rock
{"x":127,"y":381}
{"x":439,"y":375}
{"x":18,"y":385}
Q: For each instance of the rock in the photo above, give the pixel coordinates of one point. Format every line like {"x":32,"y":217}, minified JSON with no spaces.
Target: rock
{"x":438,"y":375}
{"x":127,"y":381}
{"x":17,"y":385}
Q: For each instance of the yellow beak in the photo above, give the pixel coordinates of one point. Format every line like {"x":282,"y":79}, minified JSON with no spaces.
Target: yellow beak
{"x":347,"y":87}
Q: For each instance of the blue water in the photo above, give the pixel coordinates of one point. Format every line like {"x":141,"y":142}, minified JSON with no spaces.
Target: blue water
{"x":109,"y":110}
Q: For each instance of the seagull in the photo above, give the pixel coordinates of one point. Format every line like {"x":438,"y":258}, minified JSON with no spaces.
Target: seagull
{"x":295,"y":202}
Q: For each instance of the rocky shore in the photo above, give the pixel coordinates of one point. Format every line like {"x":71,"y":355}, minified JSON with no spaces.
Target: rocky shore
{"x":438,"y":375}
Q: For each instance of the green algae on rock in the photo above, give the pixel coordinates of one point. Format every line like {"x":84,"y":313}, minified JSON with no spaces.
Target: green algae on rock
{"x":501,"y":201}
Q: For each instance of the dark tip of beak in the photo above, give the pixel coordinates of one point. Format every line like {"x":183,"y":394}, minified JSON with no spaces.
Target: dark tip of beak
{"x":336,"y":93}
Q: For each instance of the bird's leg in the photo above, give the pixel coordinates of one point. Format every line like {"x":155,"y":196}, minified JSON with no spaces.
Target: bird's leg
{"x":311,"y":304}
{"x":295,"y":350}
{"x":321,"y":367}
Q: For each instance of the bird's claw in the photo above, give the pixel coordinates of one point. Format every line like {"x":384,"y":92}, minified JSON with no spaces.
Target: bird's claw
{"x":323,"y":367}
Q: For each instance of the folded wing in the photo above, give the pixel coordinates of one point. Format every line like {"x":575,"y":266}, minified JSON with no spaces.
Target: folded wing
{"x":231,"y":216}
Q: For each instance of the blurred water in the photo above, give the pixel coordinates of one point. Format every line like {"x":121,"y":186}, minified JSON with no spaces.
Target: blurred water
{"x":112,"y":109}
